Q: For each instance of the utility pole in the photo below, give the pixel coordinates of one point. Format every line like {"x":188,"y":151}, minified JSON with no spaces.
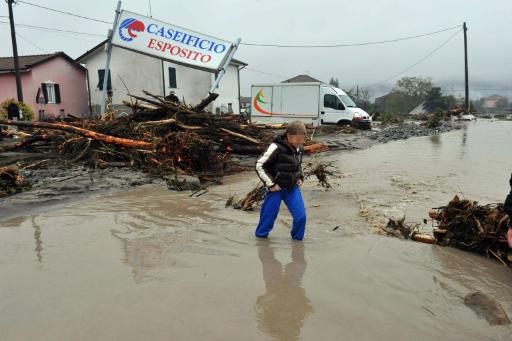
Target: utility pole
{"x":15,"y":52}
{"x":109,"y":55}
{"x":466,"y":88}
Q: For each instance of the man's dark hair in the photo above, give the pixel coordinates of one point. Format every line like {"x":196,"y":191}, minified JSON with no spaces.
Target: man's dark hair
{"x":296,"y":128}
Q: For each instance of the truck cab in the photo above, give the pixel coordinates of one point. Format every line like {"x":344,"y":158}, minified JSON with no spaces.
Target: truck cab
{"x":336,"y":107}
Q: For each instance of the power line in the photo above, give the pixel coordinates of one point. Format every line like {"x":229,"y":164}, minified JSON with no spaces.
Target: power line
{"x":418,"y":62}
{"x":266,"y":45}
{"x":473,"y":89}
{"x":63,"y":12}
{"x":265,"y":73}
{"x":31,"y":43}
{"x":57,"y":30}
{"x":354,"y":44}
{"x":249,"y":44}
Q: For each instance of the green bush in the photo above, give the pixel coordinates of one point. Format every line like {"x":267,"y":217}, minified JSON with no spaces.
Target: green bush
{"x":389,"y":118}
{"x":28,"y":114}
{"x":435,"y":120}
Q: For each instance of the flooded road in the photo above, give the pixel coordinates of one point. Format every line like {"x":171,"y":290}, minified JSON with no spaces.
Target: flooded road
{"x":414,"y":175}
{"x":157,"y":265}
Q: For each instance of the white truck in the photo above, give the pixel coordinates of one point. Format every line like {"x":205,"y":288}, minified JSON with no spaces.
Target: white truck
{"x":312,"y":103}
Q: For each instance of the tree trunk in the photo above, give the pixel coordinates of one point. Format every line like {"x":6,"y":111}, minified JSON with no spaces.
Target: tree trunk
{"x":127,"y":143}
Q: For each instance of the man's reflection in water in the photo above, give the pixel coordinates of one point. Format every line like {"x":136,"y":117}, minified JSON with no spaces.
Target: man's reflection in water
{"x":281,"y":311}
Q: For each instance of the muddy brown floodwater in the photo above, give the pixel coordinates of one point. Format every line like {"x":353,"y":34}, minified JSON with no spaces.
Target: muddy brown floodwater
{"x":150,"y":264}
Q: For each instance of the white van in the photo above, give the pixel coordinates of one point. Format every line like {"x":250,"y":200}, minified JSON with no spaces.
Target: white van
{"x":312,"y":103}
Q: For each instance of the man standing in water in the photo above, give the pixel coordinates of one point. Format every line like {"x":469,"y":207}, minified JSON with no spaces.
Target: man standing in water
{"x":281,"y":172}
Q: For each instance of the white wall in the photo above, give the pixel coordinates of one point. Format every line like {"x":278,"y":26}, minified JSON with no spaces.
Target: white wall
{"x":141,"y":72}
{"x":192,"y":84}
{"x":228,"y":91}
{"x":138,"y":71}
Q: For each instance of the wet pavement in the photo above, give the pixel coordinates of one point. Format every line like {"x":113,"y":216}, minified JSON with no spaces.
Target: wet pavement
{"x":148,"y":263}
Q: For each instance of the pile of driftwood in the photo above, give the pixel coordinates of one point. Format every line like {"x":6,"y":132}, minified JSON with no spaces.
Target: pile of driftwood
{"x":159,"y":137}
{"x":477,"y":228}
{"x":324,"y":173}
{"x":11,"y":182}
{"x":404,"y":230}
{"x":250,"y":201}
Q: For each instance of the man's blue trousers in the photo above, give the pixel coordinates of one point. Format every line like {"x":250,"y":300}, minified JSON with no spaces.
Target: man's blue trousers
{"x":293,"y":200}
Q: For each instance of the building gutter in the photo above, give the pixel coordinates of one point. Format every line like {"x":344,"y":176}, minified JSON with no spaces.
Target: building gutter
{"x":239,"y":99}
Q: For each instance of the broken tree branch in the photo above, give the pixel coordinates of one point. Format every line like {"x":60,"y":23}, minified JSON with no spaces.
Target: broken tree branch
{"x":166,"y":105}
{"x":127,"y":143}
{"x":204,"y":103}
{"x":241,"y":136}
{"x":315,"y":148}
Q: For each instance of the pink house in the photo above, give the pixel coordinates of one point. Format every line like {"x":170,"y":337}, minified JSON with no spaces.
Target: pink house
{"x":53,"y":84}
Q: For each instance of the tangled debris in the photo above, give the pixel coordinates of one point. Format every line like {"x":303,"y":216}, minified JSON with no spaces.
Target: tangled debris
{"x":400,"y":229}
{"x":477,"y":228}
{"x":12,"y":182}
{"x":322,"y":171}
{"x":249,"y":201}
{"x":158,"y":137}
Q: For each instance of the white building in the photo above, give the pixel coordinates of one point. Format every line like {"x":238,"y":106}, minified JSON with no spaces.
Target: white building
{"x":141,"y":72}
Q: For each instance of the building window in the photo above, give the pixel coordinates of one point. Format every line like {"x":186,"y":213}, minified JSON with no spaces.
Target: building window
{"x":101,"y":75}
{"x":172,"y":78}
{"x":50,"y":90}
{"x":51,"y":93}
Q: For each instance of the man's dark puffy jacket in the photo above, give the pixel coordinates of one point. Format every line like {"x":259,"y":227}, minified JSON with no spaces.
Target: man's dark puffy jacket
{"x":280,"y":164}
{"x":508,"y":200}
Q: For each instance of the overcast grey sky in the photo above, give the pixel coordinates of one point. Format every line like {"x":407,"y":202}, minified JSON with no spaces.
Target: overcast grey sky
{"x":309,"y":22}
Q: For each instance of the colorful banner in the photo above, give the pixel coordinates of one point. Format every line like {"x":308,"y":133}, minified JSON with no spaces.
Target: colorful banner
{"x":166,"y":41}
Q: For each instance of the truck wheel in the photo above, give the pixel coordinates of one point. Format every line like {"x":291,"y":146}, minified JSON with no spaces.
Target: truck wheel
{"x":343,"y":123}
